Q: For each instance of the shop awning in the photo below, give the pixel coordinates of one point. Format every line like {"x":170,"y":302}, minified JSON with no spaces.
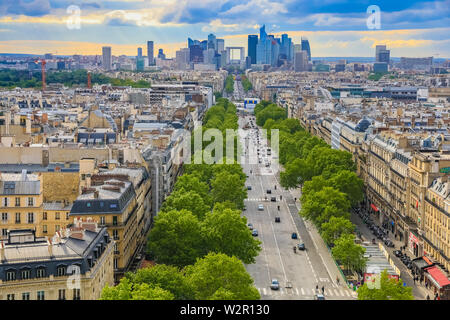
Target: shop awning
{"x":422,"y":263}
{"x":437,"y":277}
{"x":374,"y":207}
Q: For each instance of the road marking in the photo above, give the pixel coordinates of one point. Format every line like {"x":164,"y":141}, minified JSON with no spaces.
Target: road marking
{"x":303,"y":291}
{"x":342,"y":292}
{"x":264,"y":290}
{"x":259,"y":290}
{"x":329,"y":292}
{"x":324,"y":280}
{"x":296,"y":290}
{"x":346,"y":292}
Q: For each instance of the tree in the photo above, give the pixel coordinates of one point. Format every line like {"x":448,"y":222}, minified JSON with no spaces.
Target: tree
{"x":271,"y":112}
{"x":197,"y":183}
{"x":126,"y":290}
{"x":349,"y":254}
{"x":188,"y":200}
{"x":176,"y":238}
{"x":228,"y":187}
{"x":204,"y":173}
{"x":225,"y":231}
{"x":320,"y":206}
{"x":295,"y":174}
{"x":349,"y":183}
{"x":166,"y":277}
{"x":336,"y":227}
{"x":316,"y":184}
{"x":219,"y":272}
{"x":385,"y":289}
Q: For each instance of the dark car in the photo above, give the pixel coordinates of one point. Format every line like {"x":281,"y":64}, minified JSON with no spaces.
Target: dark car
{"x":255,"y":233}
{"x":277,"y":219}
{"x":273,"y":199}
{"x":301,"y":246}
{"x":389,"y":243}
{"x":294,"y":235}
{"x":250,"y":226}
{"x":397,"y":253}
{"x":249,"y":187}
{"x":269,"y":191}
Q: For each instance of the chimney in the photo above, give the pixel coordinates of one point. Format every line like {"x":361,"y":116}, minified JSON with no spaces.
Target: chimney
{"x":2,"y":251}
{"x":50,"y":247}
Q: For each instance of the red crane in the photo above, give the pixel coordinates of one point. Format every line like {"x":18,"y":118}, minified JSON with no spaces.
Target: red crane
{"x":89,"y":85}
{"x":43,"y":62}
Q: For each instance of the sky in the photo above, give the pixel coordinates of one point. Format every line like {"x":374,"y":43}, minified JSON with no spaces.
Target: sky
{"x":335,"y":28}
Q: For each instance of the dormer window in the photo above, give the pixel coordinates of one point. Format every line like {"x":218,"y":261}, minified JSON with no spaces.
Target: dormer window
{"x":61,"y":271}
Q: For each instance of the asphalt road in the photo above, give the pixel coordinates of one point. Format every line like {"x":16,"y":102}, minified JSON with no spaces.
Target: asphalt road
{"x":298,"y":273}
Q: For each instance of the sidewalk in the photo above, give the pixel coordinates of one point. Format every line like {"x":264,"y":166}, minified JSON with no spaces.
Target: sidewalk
{"x":333,"y":270}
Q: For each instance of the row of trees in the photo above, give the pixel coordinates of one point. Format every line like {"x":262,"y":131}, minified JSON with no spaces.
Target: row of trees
{"x":199,"y":239}
{"x":327,"y":179}
{"x":246,"y":84}
{"x":26,"y":79}
{"x":229,"y":84}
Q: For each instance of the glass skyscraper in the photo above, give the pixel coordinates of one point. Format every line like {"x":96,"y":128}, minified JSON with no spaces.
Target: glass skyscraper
{"x":252,"y":43}
{"x":305,"y":47}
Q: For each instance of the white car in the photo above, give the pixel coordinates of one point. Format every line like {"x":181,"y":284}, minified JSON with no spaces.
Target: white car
{"x":260,"y":207}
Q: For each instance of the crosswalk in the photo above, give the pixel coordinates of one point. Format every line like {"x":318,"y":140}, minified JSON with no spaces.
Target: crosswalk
{"x":328,"y":292}
{"x":257,"y":199}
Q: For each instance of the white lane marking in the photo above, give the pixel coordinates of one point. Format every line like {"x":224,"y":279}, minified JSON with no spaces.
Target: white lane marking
{"x":303,"y":291}
{"x":264,"y":290}
{"x":342,"y":292}
{"x":329,"y":292}
{"x":296,"y":290}
{"x":347,"y":293}
{"x":313,"y":291}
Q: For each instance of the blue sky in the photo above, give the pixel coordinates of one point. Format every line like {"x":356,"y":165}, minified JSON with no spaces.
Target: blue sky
{"x":334,"y":27}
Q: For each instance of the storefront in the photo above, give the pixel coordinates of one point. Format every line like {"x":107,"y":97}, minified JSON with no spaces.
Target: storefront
{"x":419,"y":265}
{"x":413,"y":244}
{"x":439,"y":281}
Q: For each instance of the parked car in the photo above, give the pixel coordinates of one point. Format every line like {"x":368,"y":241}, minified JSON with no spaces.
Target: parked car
{"x":397,"y":253}
{"x":277,"y":219}
{"x":255,"y":233}
{"x":389,"y":243}
{"x":249,"y":187}
{"x":319,"y":297}
{"x":273,"y":199}
{"x":275,"y":285}
{"x":294,"y":235}
{"x":250,"y":226}
{"x":301,"y":246}
{"x":269,"y":191}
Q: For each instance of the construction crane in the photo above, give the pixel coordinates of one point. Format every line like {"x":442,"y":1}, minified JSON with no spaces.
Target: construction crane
{"x":89,"y":85}
{"x":43,"y":63}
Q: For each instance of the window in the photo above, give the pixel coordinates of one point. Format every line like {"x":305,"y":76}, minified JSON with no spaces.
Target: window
{"x":4,"y":232}
{"x":102,"y":221}
{"x":17,"y":217}
{"x":56,"y":215}
{"x":116,"y":234}
{"x":44,"y":216}
{"x":5,"y":217}
{"x":61,"y":294}
{"x":88,"y":204}
{"x":76,"y":294}
{"x":67,"y":215}
{"x":41,"y":295}
{"x":26,"y":274}
{"x":116,"y":249}
{"x":116,"y":263}
{"x":40,"y":272}
{"x":26,"y":296}
{"x":10,"y":275}
{"x":10,"y":296}
{"x":44,"y":228}
{"x":30,"y":217}
{"x":57,"y":228}
{"x":61,"y":271}
{"x":30,"y":201}
{"x":5,"y":202}
{"x":114,"y":220}
{"x":83,"y":177}
{"x":17,"y":202}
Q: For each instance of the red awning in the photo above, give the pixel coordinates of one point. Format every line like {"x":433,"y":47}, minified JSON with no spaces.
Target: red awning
{"x":427,"y":260}
{"x":438,"y":276}
{"x":374,"y":207}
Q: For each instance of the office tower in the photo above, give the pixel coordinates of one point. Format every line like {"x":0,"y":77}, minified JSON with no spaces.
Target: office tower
{"x":196,"y":54}
{"x":140,"y":63}
{"x":297,"y":48}
{"x":340,"y":67}
{"x":204,"y":44}
{"x":212,"y":42}
{"x":264,"y":47}
{"x":380,"y":67}
{"x":150,"y":54}
{"x":208,"y":56}
{"x":139,"y":52}
{"x":220,"y":45}
{"x":306,"y":47}
{"x":106,"y":58}
{"x":384,"y":56}
{"x":48,"y":56}
{"x":285,"y":48}
{"x":379,"y":48}
{"x":182,"y":58}
{"x":161,"y":54}
{"x":301,"y":61}
{"x":251,"y":49}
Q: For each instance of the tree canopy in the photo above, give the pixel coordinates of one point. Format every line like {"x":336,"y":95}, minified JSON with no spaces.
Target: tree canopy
{"x":385,"y":288}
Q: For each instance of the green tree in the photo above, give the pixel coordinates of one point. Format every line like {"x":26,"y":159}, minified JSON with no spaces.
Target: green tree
{"x":336,"y":227}
{"x":228,"y":187}
{"x":176,"y":238}
{"x":349,"y":183}
{"x":126,"y":290}
{"x":295,"y":174}
{"x":385,"y":289}
{"x":217,"y":271}
{"x":196,"y":183}
{"x":271,"y":112}
{"x":166,"y":277}
{"x":188,"y":200}
{"x":349,"y":254}
{"x":226,"y":231}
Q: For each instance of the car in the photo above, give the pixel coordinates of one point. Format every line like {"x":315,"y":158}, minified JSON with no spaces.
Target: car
{"x":250,"y":226}
{"x":260,"y":207}
{"x":275,"y":285}
{"x":249,"y":187}
{"x":269,"y":191}
{"x":294,"y":235}
{"x":277,"y":219}
{"x":389,"y":243}
{"x":273,"y":199}
{"x":397,"y":253}
{"x":319,"y":297}
{"x":255,"y":233}
{"x":301,"y":246}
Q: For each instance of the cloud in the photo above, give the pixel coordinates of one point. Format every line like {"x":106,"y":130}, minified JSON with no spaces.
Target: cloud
{"x":32,"y":8}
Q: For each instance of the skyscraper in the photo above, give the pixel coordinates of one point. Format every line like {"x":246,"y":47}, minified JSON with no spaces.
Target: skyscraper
{"x":306,"y":47}
{"x":382,"y":54}
{"x":139,"y":52}
{"x":161,"y":54}
{"x":252,"y":43}
{"x":220,"y":45}
{"x":378,"y":48}
{"x":212,"y":42}
{"x":150,"y":53}
{"x":301,"y":61}
{"x":106,"y":58}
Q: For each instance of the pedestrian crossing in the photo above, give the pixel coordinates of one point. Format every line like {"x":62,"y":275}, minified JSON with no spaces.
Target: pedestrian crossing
{"x":257,"y":199}
{"x":328,"y":292}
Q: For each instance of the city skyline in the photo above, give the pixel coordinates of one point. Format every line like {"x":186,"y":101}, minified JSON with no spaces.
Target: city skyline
{"x":334,"y":28}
